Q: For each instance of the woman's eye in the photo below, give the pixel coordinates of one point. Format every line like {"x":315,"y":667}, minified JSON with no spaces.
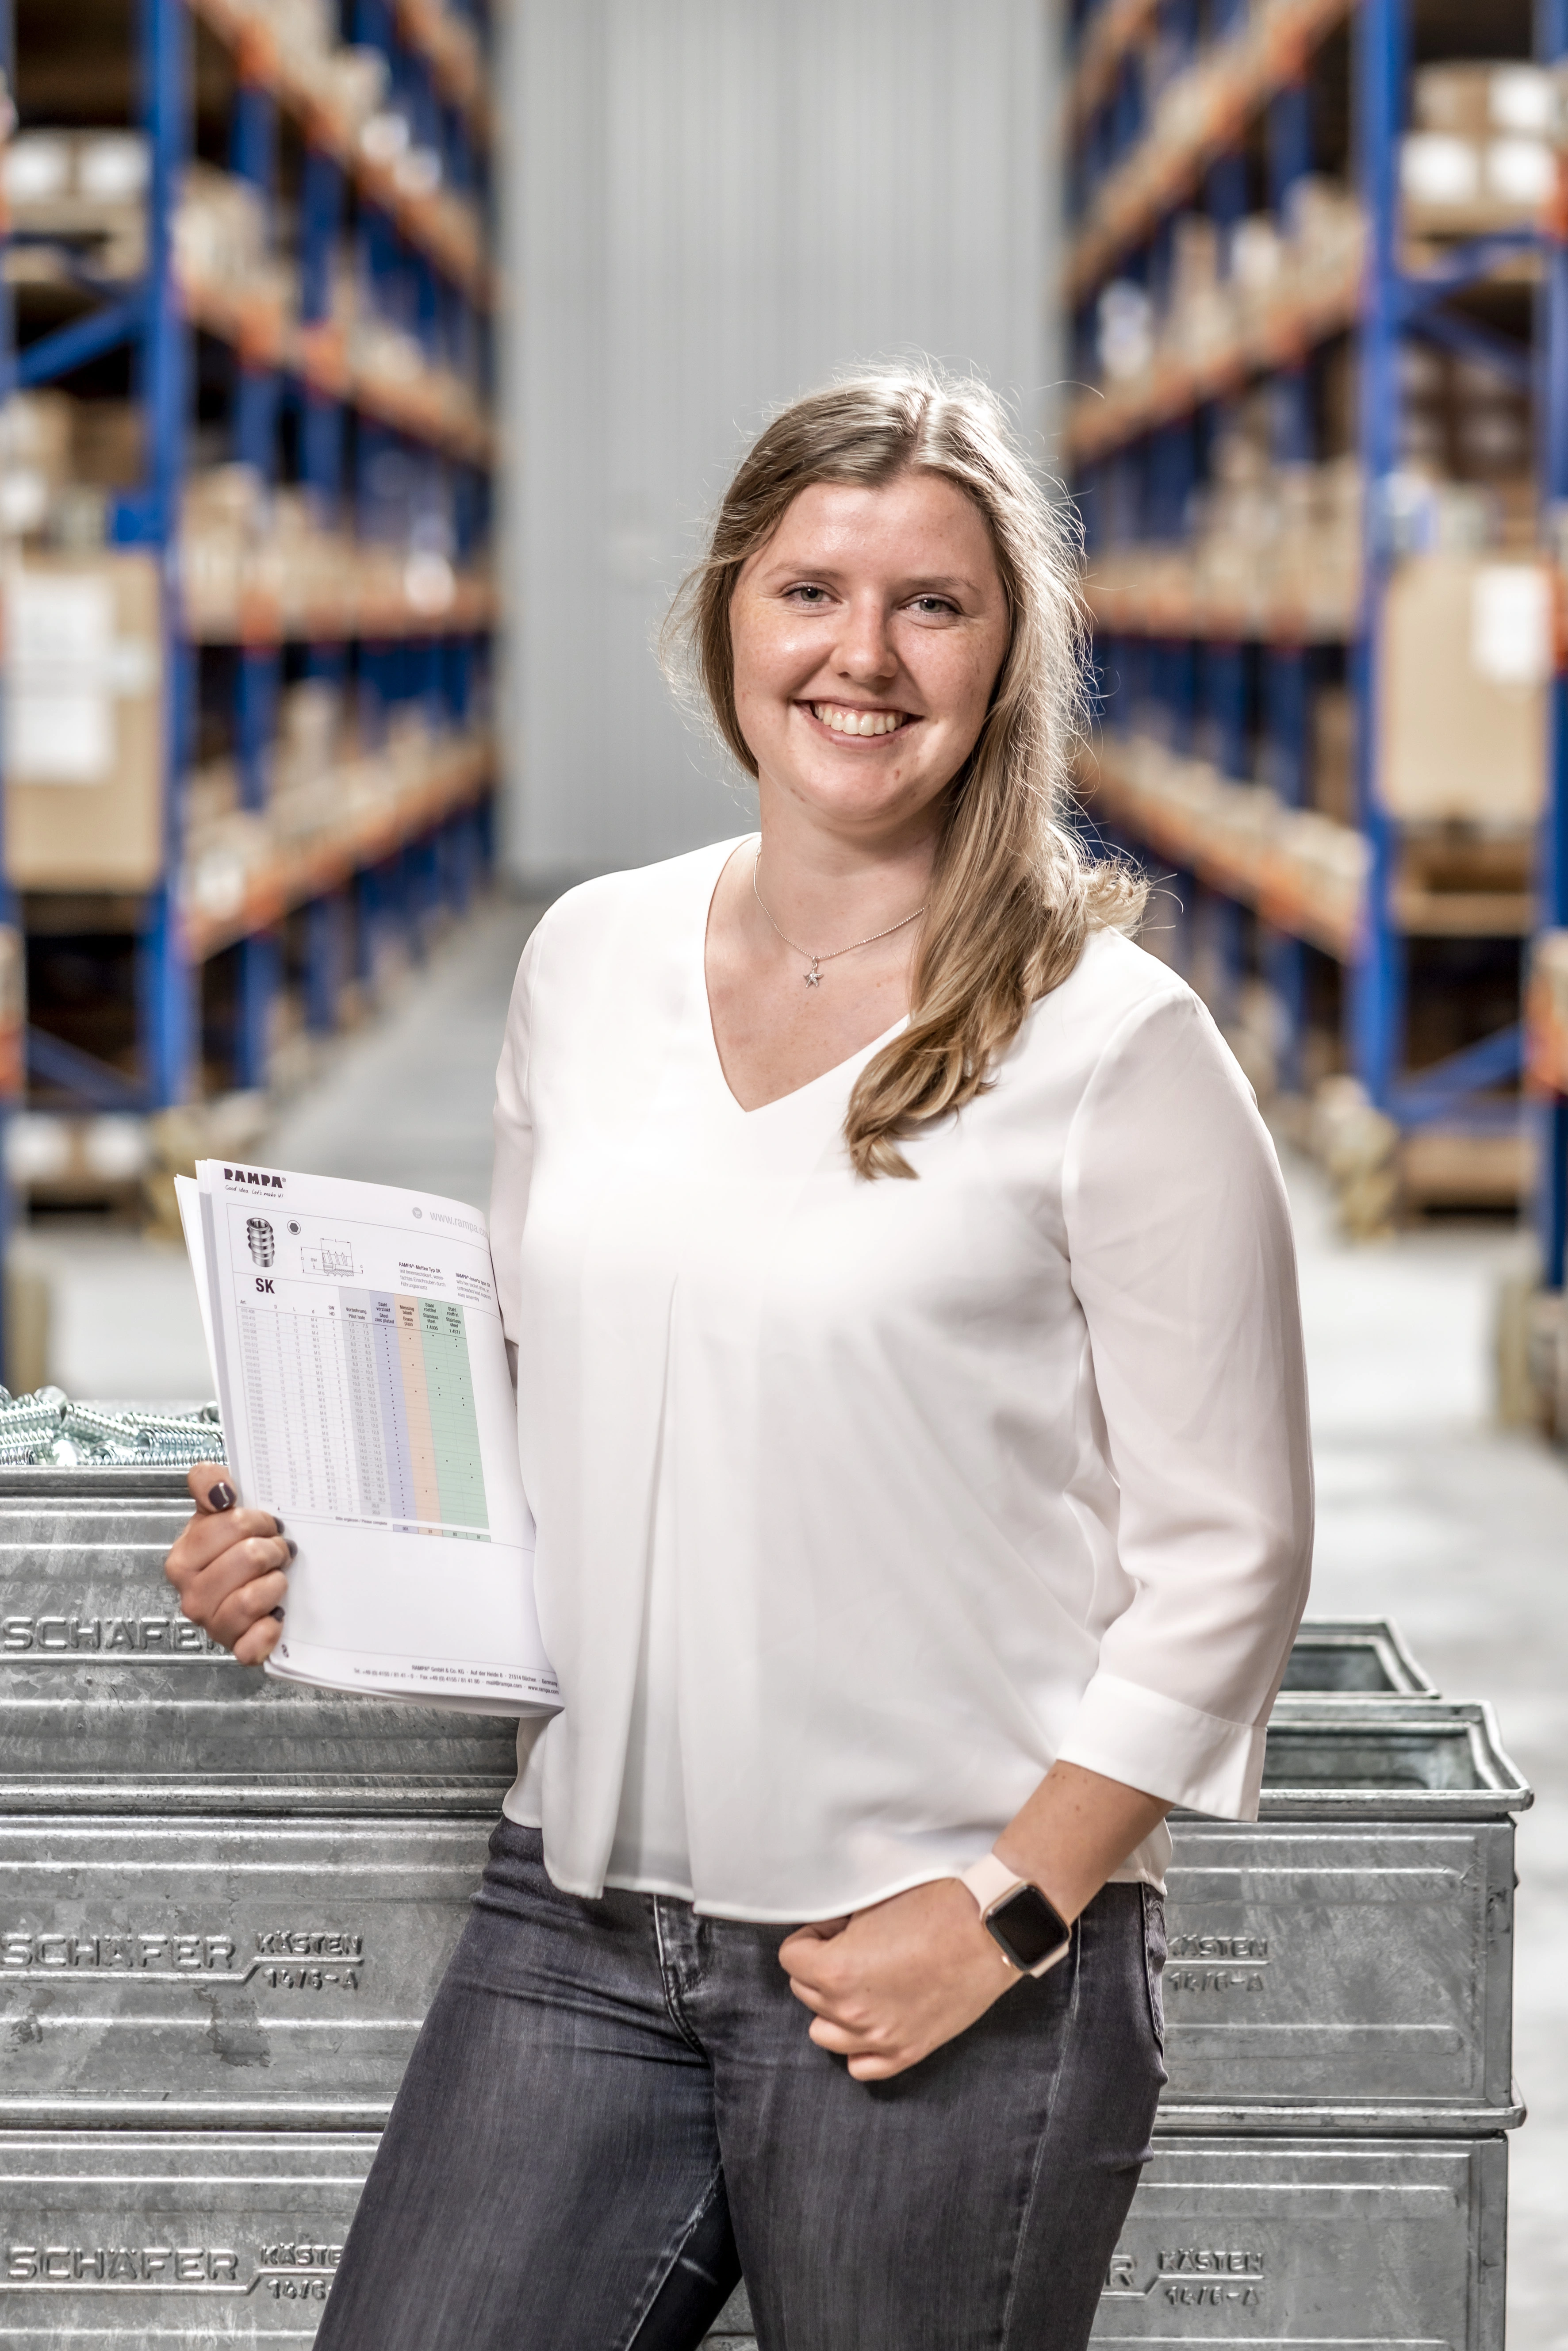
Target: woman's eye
{"x":931,"y":607}
{"x":810,"y":595}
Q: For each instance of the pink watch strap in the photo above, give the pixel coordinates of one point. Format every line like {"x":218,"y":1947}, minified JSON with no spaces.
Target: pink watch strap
{"x":988,"y":1879}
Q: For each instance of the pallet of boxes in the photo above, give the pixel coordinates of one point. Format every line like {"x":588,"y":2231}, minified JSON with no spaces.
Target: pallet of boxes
{"x":225,"y":1902}
{"x":1470,"y":622}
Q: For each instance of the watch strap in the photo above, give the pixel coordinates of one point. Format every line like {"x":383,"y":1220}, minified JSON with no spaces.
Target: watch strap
{"x":988,"y":1879}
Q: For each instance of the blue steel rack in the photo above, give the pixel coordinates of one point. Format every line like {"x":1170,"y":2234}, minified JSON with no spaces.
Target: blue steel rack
{"x":12,"y":1019}
{"x":1551,"y":401}
{"x":1203,"y":688}
{"x":340,"y":441}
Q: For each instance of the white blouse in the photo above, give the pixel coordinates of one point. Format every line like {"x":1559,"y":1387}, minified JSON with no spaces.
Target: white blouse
{"x":861,"y":1503}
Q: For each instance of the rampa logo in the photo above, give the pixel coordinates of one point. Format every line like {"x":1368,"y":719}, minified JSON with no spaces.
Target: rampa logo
{"x":253,"y":1175}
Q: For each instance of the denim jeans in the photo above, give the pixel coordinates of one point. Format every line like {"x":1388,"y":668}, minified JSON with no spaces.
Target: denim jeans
{"x":614,"y":2105}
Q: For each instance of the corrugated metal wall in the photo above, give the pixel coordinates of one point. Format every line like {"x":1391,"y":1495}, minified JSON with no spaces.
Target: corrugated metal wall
{"x":711,"y":206}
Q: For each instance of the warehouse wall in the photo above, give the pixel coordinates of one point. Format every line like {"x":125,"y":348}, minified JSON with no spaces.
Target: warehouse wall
{"x":713,"y":205}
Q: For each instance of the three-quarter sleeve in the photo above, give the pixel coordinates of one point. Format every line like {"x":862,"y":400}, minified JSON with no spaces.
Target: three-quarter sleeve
{"x":514,"y":1145}
{"x":1182,"y":1258}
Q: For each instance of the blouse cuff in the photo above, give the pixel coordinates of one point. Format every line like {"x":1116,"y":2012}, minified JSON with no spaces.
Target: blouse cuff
{"x":1146,"y":1741}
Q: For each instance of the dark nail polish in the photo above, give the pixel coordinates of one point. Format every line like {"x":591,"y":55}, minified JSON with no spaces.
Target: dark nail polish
{"x":221,"y":1497}
{"x":293,"y":1547}
{"x":278,"y":1527}
{"x":278,"y":1613}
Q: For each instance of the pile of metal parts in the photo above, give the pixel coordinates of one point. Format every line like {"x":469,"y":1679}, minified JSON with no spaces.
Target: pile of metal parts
{"x":46,"y":1430}
{"x":225,"y":1902}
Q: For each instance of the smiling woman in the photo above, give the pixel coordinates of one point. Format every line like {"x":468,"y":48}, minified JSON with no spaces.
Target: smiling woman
{"x":885,"y":572}
{"x":905,"y":1548}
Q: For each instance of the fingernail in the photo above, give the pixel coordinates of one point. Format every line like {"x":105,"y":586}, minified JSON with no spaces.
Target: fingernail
{"x":278,"y":1613}
{"x":292,"y":1547}
{"x":221,"y":1497}
{"x":278,"y":1527}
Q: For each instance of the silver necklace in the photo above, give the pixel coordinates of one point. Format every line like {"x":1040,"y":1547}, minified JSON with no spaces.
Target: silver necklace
{"x":813,"y":978}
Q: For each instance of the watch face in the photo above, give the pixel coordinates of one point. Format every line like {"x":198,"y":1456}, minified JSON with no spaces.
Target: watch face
{"x":1028,"y":1929}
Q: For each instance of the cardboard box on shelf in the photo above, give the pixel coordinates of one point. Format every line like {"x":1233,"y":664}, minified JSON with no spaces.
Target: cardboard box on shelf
{"x":1483,"y":153}
{"x":85,"y":190}
{"x":83,"y":722}
{"x":1478,"y":100}
{"x":1468,"y":651}
{"x":1325,"y":226}
{"x":107,"y":446}
{"x":35,"y":459}
{"x":1334,"y":748}
{"x":52,"y":448}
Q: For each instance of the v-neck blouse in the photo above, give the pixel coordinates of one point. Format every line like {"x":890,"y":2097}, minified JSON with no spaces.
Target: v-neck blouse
{"x":860,"y":1503}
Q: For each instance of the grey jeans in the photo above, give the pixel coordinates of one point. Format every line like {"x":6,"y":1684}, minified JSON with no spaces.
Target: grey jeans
{"x":614,"y":2105}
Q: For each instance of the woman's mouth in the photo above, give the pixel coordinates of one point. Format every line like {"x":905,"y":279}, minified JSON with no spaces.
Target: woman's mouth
{"x":848,"y":718}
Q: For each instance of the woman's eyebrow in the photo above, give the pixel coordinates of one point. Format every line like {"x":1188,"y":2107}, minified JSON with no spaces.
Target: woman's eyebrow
{"x":946,"y":582}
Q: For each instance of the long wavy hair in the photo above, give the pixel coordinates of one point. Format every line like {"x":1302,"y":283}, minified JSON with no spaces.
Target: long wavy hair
{"x":1013,"y":895}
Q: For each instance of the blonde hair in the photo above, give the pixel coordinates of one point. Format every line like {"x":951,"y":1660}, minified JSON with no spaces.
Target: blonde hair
{"x":1013,"y":896}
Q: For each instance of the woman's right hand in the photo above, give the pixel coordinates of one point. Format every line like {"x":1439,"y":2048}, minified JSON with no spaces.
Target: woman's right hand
{"x":228,"y":1568}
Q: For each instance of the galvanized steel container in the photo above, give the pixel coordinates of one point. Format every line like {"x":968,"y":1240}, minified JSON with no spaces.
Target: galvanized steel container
{"x":225,"y":1902}
{"x":172,"y":2242}
{"x":187,"y":2239}
{"x":239,"y":1973}
{"x":1345,"y":1962}
{"x":112,"y":1701}
{"x":1352,"y":1656}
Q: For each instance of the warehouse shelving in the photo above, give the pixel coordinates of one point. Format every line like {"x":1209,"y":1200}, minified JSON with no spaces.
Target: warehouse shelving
{"x":1209,"y":653}
{"x":447,"y":228}
{"x":1546,"y":1000}
{"x":1138,"y":170}
{"x":1277,"y":335}
{"x":13,"y":958}
{"x":299,"y":306}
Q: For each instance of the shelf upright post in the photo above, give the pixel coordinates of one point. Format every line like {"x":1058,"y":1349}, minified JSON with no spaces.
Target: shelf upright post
{"x":1287,"y":669}
{"x":1381,"y":35}
{"x":253,"y":157}
{"x":1552,"y":1177}
{"x":13,"y":945}
{"x":1224,"y":661}
{"x":322,"y":420}
{"x":321,"y":193}
{"x":166,"y":983}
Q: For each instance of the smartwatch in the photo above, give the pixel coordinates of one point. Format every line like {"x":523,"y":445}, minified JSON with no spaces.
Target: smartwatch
{"x":1030,"y":1932}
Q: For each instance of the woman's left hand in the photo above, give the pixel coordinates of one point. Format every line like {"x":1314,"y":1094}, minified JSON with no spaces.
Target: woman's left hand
{"x":893,"y":1983}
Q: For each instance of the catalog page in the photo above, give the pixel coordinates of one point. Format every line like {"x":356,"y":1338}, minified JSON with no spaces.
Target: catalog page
{"x":362,"y":1376}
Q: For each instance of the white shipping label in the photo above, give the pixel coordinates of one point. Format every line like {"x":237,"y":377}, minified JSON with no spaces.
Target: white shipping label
{"x":59,"y":633}
{"x":1510,"y":623}
{"x":64,"y":666}
{"x":59,"y":738}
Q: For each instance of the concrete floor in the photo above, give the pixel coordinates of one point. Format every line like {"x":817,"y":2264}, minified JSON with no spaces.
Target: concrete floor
{"x":1427,"y":1513}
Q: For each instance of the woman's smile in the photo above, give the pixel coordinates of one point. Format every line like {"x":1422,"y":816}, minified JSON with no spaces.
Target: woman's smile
{"x":854,"y":722}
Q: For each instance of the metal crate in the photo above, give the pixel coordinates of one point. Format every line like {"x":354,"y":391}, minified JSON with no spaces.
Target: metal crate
{"x":225,"y":1902}
{"x":229,"y":1974}
{"x":1352,"y":1656}
{"x":1361,"y":2242}
{"x":112,"y":1701}
{"x":1249,"y":2240}
{"x":171,"y":2241}
{"x":165,"y":2239}
{"x":1345,"y":1963}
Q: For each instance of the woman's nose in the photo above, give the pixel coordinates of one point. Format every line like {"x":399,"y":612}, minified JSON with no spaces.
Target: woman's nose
{"x":865,"y":648}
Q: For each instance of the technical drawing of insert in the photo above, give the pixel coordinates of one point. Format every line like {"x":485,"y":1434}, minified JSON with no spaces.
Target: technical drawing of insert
{"x":327,"y":1258}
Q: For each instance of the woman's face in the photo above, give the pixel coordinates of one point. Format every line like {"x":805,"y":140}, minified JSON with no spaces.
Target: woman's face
{"x":868,"y":634}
